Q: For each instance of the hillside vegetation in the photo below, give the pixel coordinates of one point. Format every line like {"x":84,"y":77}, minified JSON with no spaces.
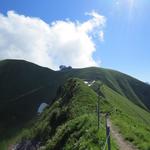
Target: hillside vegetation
{"x":132,"y":121}
{"x":24,"y":86}
{"x":70,"y":121}
{"x":135,"y":90}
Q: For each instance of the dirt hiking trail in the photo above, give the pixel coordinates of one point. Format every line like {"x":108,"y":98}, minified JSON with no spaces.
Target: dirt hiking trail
{"x":120,"y":141}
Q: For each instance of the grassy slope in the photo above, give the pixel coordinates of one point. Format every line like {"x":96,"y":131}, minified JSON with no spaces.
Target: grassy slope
{"x":133,"y":122}
{"x":23,"y":82}
{"x":24,"y":86}
{"x":71,"y":122}
{"x":25,"y":77}
{"x":135,"y":90}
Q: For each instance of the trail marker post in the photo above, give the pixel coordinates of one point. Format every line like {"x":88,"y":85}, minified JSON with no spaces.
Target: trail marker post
{"x":108,"y":132}
{"x":98,"y":111}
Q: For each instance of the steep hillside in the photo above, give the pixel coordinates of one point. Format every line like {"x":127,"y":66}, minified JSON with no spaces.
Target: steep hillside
{"x":24,"y":86}
{"x":133,"y":122}
{"x":135,"y":90}
{"x":23,"y":82}
{"x":71,"y":121}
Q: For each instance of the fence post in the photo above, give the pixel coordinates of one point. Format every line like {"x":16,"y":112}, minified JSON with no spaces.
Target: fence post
{"x":108,"y":132}
{"x":98,"y":111}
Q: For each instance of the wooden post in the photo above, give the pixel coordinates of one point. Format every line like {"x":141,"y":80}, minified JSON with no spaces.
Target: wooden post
{"x":108,"y":132}
{"x":98,"y":112}
{"x":108,"y":136}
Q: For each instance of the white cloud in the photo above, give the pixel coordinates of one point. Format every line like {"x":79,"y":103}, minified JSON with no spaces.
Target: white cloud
{"x":101,"y":35}
{"x":61,"y":42}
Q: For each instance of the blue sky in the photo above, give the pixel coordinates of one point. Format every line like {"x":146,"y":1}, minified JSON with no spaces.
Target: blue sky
{"x":126,"y":45}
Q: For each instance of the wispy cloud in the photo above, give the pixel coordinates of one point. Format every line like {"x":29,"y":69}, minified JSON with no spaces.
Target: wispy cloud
{"x":61,"y":42}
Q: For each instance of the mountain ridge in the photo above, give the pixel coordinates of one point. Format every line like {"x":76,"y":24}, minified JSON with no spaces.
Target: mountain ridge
{"x":114,"y":79}
{"x":24,"y":86}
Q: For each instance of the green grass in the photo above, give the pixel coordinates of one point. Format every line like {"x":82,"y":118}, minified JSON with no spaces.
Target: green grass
{"x":24,"y":86}
{"x":132,"y":121}
{"x":127,"y":86}
{"x":71,"y":122}
{"x":129,"y":97}
{"x":80,"y":133}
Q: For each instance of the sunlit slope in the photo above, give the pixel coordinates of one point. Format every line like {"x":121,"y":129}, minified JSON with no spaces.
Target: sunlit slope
{"x":70,"y":123}
{"x":24,"y":86}
{"x":135,"y":90}
{"x":133,"y":121}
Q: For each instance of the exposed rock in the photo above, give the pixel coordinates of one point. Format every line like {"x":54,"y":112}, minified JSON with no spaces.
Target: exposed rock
{"x":26,"y":145}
